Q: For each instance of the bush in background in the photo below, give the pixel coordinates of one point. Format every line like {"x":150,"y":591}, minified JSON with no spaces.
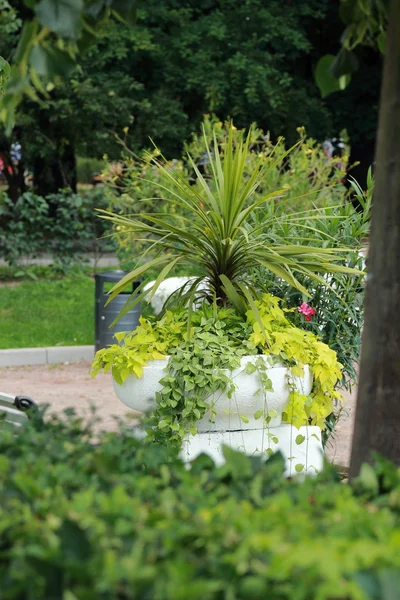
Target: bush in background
{"x":63,"y":225}
{"x":86,"y":168}
{"x":122,"y":519}
{"x":304,"y":173}
{"x":338,"y":305}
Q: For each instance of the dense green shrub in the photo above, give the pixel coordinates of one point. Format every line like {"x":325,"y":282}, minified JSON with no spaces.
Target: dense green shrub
{"x":87,"y":167}
{"x":338,"y":305}
{"x":63,"y":225}
{"x":121,"y":519}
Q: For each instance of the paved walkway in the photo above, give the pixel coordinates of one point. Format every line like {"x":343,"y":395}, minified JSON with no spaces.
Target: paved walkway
{"x":339,"y":449}
{"x":70,"y":385}
{"x":64,"y":386}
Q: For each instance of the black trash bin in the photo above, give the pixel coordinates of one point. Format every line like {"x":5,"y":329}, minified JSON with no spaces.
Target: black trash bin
{"x":105,"y":315}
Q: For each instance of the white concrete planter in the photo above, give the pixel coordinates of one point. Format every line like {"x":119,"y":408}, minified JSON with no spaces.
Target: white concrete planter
{"x":304,"y":456}
{"x":248,"y":398}
{"x":166,"y":288}
{"x":254,"y":437}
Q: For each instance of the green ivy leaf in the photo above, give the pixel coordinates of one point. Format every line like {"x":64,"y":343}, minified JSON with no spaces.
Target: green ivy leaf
{"x":250,"y":368}
{"x":299,"y":468}
{"x":300,"y":439}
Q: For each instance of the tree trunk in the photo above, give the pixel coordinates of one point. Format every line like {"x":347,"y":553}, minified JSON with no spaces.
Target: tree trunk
{"x":377,"y":426}
{"x":53,"y":172}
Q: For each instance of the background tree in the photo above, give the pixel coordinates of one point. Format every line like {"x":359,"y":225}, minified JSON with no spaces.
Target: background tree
{"x":53,"y":36}
{"x":253,"y":62}
{"x":356,"y":68}
{"x":10,"y":24}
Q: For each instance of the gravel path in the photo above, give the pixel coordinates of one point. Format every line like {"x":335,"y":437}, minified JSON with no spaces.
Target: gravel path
{"x":70,"y":385}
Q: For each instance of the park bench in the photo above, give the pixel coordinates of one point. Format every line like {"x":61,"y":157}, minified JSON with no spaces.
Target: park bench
{"x":15,"y":410}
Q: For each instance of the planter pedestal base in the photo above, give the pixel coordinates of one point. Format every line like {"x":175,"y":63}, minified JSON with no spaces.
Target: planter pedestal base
{"x":308,"y":453}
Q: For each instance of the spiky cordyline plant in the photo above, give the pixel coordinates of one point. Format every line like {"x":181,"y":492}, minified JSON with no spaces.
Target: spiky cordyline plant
{"x":215,"y":233}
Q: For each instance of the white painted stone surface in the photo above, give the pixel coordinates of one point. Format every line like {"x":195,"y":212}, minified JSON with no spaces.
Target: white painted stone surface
{"x":139,"y":394}
{"x":228,"y":428}
{"x":16,"y":357}
{"x":165,"y":289}
{"x":309,"y":453}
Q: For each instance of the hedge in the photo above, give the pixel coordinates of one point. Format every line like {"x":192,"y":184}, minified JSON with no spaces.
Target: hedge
{"x":85,"y":517}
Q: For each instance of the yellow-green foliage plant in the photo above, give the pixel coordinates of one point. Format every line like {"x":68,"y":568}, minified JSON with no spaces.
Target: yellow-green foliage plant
{"x":203,"y":354}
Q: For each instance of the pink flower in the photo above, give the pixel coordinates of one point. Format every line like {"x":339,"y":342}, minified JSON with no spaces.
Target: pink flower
{"x":306,"y":310}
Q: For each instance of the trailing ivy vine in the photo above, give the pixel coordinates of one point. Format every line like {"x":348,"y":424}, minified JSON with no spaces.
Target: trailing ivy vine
{"x":205,"y":349}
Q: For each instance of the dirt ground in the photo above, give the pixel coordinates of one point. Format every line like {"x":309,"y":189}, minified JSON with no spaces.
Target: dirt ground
{"x":70,"y":385}
{"x":64,"y":386}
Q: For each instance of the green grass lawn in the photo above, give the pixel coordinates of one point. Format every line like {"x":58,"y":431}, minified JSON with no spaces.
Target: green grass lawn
{"x":47,"y":313}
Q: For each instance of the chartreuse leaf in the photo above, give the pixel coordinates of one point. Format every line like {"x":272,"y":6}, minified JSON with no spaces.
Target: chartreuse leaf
{"x":120,"y":336}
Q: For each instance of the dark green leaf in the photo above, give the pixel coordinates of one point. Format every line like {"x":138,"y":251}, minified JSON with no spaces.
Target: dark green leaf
{"x":326,"y":82}
{"x":63,"y":17}
{"x":344,"y":63}
{"x":74,"y":541}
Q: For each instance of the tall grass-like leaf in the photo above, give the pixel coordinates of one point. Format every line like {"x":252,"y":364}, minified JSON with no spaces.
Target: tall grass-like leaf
{"x":217,"y":230}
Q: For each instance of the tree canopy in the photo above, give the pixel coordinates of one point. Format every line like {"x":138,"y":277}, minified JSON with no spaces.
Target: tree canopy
{"x":252,"y":61}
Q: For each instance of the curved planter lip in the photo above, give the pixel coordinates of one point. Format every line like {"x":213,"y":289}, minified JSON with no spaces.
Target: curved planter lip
{"x":233,"y":414}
